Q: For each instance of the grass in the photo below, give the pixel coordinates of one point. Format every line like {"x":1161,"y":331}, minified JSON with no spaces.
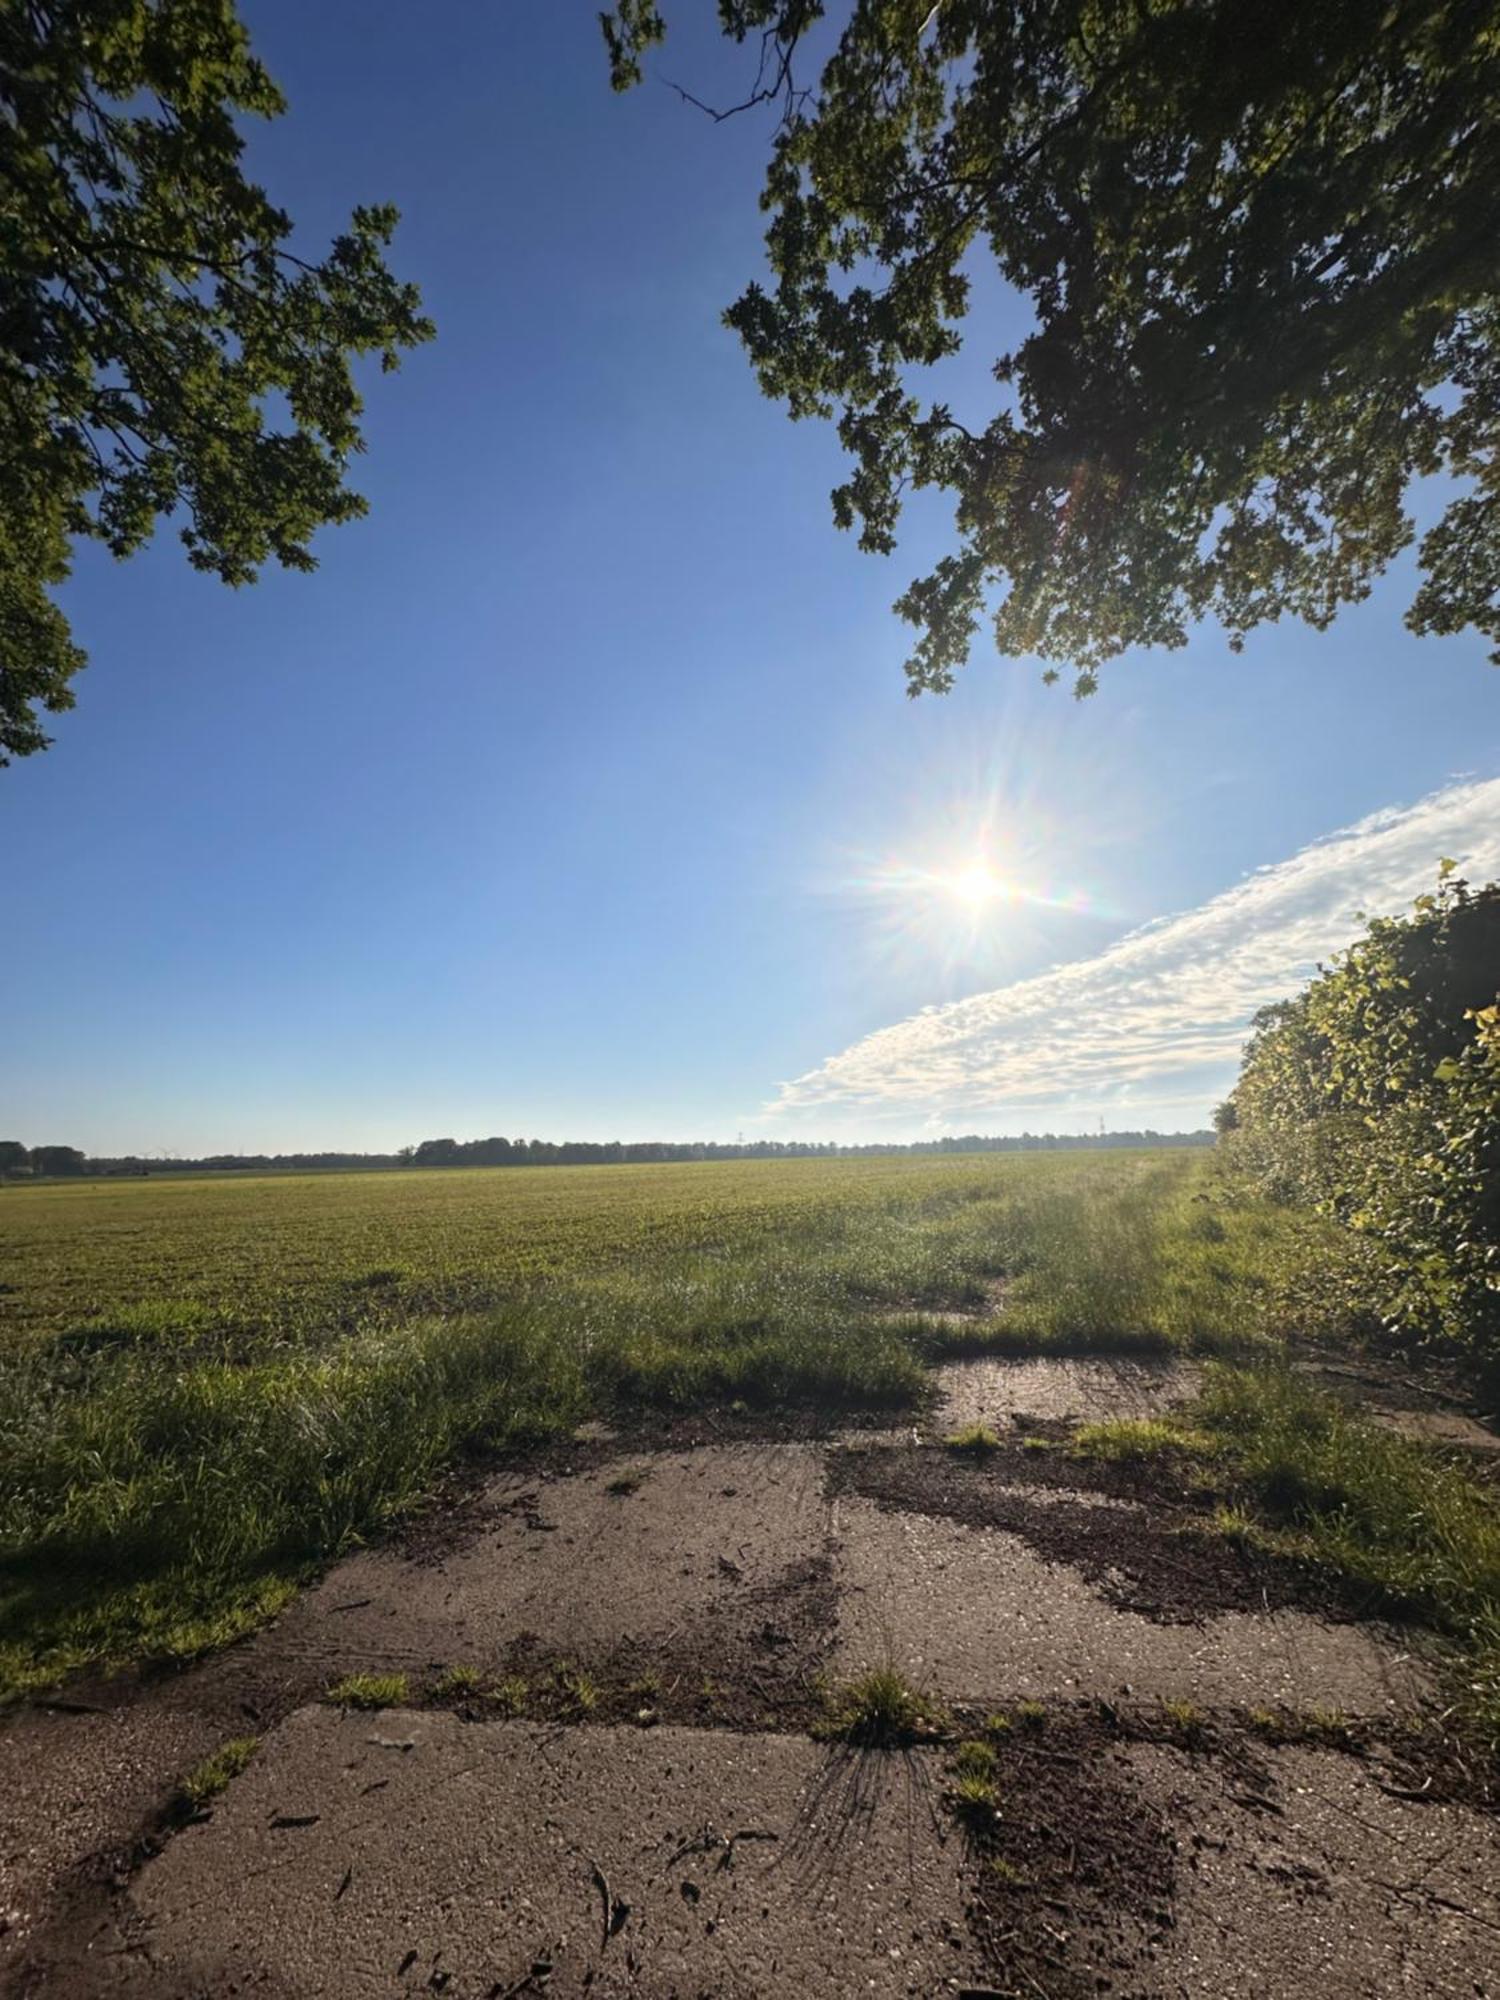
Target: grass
{"x":216,"y":1773}
{"x":975,"y":1789}
{"x":369,"y":1691}
{"x":578,"y":1690}
{"x":881,"y":1709}
{"x":456,"y":1681}
{"x":1120,"y":1439}
{"x":974,"y":1797}
{"x":1328,"y":1727}
{"x":1185,"y":1717}
{"x":973,"y":1793}
{"x":1237,"y":1525}
{"x":509,"y":1695}
{"x":974,"y":1441}
{"x":1410,"y":1526}
{"x":210,"y":1388}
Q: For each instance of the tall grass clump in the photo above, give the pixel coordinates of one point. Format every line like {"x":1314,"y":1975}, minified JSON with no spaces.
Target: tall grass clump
{"x":1167,"y":1258}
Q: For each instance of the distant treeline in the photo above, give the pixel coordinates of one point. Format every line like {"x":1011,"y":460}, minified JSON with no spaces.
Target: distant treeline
{"x":30,"y":1162}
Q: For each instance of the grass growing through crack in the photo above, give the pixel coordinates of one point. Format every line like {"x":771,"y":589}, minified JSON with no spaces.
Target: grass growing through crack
{"x":1408,"y":1524}
{"x":456,"y":1681}
{"x":974,"y":1441}
{"x":579,"y":1691}
{"x":209,"y":1388}
{"x":973,"y":1790}
{"x":509,"y":1695}
{"x":1323,"y":1726}
{"x":881,"y":1709}
{"x":1185,"y":1717}
{"x":216,"y":1773}
{"x":1118,"y":1440}
{"x":369,"y":1691}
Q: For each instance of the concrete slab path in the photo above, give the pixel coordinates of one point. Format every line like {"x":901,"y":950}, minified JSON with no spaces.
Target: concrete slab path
{"x":624,"y":1791}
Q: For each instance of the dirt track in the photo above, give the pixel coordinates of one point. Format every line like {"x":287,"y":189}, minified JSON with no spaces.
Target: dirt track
{"x":658,"y":1818}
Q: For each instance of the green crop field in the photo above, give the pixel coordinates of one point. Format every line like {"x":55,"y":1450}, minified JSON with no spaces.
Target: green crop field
{"x":208,"y":1386}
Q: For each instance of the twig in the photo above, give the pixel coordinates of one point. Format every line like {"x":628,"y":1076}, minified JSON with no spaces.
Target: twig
{"x":616,"y":1909}
{"x":1442,"y":1902}
{"x":1417,"y":1793}
{"x":601,"y":1883}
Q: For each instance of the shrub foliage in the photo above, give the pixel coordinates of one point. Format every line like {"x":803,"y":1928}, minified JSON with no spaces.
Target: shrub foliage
{"x":1375,"y":1095}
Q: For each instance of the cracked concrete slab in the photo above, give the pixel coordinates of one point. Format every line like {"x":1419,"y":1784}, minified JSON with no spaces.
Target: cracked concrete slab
{"x":575,"y":1564}
{"x":74,"y":1783}
{"x":992,"y":1390}
{"x":339,"y":1867}
{"x":476,"y":1846}
{"x":1428,"y":1411}
{"x":702,"y":1543}
{"x":1322,"y":1882}
{"x":1440,"y":1427}
{"x":973,"y":1613}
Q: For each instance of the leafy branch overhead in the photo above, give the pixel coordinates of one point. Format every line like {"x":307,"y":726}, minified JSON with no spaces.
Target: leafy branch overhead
{"x":162,"y":350}
{"x":1257,"y":248}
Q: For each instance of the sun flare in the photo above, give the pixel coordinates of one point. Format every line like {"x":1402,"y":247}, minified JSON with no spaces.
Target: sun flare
{"x":975,"y":885}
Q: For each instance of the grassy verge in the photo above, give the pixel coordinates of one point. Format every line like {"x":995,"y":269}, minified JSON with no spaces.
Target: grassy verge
{"x":1409,"y":1524}
{"x":174,"y":1463}
{"x":1173,"y":1262}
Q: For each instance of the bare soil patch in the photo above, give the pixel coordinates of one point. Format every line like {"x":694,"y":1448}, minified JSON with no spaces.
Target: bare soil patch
{"x":1075,"y":1871}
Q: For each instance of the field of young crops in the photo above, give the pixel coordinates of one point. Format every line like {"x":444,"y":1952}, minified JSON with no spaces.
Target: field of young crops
{"x":206,"y":1386}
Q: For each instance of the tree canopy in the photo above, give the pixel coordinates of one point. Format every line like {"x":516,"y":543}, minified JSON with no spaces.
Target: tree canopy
{"x":162,"y":351}
{"x":1257,"y":247}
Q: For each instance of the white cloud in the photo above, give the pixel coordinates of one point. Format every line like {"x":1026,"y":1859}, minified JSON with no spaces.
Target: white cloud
{"x":1160,"y":1015}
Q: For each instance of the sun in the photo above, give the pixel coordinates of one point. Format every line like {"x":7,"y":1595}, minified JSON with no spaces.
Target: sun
{"x":975,"y":885}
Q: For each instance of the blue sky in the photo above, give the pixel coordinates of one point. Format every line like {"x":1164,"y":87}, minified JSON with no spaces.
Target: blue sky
{"x":578,"y":793}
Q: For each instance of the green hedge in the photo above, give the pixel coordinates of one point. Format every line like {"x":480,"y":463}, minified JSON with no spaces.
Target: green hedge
{"x":1375,"y":1096}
